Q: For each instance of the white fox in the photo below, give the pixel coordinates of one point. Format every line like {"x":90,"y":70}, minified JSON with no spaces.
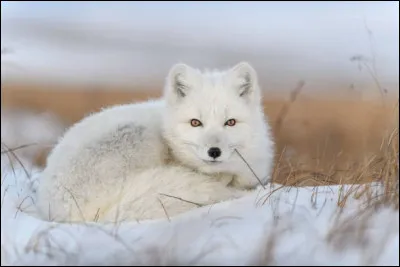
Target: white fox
{"x":205,"y":141}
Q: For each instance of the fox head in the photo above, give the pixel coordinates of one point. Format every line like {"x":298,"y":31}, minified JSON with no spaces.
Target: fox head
{"x":211,"y":115}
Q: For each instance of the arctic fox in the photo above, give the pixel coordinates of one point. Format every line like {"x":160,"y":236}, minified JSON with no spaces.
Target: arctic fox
{"x":205,"y":141}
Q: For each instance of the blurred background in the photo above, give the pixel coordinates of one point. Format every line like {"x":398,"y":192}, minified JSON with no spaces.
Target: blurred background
{"x":329,"y":70}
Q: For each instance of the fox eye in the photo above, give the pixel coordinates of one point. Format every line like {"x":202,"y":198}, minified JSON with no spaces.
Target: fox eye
{"x":195,"y":123}
{"x":230,"y":122}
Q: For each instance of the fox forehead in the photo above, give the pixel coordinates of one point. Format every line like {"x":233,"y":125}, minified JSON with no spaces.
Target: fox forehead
{"x":213,"y":88}
{"x":213,"y":100}
{"x":212,"y":109}
{"x":212,"y":83}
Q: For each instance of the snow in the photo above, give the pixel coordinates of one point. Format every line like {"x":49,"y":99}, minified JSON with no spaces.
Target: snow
{"x":44,"y":130}
{"x":291,"y":228}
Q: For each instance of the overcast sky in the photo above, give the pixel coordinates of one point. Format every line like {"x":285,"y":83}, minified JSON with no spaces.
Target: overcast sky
{"x":129,"y":41}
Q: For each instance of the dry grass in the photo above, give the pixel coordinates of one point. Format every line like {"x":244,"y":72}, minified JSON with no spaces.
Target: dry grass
{"x":319,"y":141}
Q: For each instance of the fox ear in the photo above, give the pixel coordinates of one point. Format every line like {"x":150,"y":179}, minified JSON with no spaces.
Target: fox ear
{"x":178,"y":85}
{"x":246,"y":81}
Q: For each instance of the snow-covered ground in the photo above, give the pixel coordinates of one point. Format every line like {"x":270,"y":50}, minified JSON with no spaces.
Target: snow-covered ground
{"x":27,"y":134}
{"x":278,"y":226}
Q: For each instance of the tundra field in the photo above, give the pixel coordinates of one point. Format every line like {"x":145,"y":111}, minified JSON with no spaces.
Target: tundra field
{"x":344,"y":144}
{"x":329,"y":74}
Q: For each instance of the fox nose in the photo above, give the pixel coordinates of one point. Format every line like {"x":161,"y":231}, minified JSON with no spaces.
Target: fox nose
{"x":214,"y":152}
